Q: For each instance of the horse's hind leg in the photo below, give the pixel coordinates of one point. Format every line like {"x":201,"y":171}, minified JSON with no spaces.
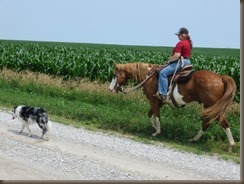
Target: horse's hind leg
{"x":205,"y":125}
{"x":226,"y":127}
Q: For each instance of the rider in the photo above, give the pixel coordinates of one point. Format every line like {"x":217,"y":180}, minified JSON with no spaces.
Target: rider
{"x":182,"y":49}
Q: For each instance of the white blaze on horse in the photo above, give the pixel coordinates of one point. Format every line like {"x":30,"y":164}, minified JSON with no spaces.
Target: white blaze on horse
{"x":215,"y":92}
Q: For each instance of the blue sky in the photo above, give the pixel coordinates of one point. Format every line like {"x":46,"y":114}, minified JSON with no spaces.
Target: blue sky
{"x":211,"y":23}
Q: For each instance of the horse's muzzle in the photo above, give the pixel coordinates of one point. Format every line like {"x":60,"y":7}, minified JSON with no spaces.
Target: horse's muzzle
{"x":113,"y":91}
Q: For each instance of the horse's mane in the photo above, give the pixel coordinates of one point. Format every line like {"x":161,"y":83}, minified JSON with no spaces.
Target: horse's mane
{"x":137,"y":71}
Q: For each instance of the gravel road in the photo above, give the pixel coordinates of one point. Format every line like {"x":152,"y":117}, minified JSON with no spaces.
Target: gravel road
{"x":79,"y":154}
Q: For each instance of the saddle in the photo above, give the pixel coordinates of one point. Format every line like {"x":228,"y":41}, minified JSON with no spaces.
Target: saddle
{"x":184,"y":75}
{"x":181,"y":76}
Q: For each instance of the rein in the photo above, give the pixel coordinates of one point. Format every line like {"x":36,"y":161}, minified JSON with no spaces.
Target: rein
{"x":139,"y":85}
{"x":170,"y":86}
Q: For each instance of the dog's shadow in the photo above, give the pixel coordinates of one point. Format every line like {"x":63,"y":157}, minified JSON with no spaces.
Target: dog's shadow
{"x":35,"y":137}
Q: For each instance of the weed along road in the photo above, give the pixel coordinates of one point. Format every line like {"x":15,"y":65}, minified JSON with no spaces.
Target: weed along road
{"x":79,"y":154}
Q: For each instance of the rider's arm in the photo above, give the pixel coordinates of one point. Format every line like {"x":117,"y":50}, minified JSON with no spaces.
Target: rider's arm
{"x":175,"y":57}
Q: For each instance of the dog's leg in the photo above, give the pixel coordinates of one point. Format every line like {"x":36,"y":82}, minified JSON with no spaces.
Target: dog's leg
{"x":22,"y":128}
{"x":27,"y":126}
{"x":48,"y":129}
{"x":44,"y":132}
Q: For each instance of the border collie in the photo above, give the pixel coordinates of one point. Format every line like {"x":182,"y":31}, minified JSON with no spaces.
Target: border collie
{"x":29,"y":115}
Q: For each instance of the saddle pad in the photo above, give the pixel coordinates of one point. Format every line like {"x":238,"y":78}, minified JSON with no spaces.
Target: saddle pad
{"x":182,"y":79}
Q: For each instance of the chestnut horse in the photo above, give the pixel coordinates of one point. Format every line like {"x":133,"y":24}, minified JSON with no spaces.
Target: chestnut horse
{"x":214,"y":91}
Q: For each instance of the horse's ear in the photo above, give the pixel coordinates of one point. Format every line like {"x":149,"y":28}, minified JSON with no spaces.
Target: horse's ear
{"x":115,"y":64}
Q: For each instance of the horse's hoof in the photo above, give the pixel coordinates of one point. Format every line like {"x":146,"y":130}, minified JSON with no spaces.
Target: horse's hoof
{"x":155,"y":134}
{"x":230,"y":149}
{"x":192,"y":140}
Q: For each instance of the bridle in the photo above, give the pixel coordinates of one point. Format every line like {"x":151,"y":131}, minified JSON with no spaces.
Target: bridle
{"x":117,"y":87}
{"x":114,"y":84}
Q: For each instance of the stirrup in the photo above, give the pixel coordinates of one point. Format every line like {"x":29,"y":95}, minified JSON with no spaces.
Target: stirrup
{"x":157,"y":95}
{"x":163,"y":98}
{"x":166,"y":99}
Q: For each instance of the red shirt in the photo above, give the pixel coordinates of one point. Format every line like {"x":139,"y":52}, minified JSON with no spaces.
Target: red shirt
{"x":184,"y":48}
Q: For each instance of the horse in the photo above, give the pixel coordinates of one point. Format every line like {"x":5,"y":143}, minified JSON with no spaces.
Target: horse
{"x":214,"y":91}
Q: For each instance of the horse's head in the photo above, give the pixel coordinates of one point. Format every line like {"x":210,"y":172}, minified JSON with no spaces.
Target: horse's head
{"x":118,"y":80}
{"x":123,"y":72}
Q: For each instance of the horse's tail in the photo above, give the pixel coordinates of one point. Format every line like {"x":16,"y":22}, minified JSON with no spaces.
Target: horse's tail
{"x":219,"y":109}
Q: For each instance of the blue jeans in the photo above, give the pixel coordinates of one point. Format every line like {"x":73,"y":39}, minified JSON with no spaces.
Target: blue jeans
{"x":165,"y":73}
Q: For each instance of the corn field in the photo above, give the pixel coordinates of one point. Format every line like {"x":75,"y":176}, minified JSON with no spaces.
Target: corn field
{"x":97,"y":63}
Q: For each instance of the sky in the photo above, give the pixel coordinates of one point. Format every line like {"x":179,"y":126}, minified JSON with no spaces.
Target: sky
{"x":211,"y":23}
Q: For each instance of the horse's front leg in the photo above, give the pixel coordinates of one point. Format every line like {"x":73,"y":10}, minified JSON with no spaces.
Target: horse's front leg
{"x":154,"y":115}
{"x":157,"y":126}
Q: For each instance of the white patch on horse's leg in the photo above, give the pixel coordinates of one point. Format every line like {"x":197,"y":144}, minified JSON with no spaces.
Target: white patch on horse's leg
{"x":178,"y":97}
{"x":153,"y":121}
{"x":198,"y":136}
{"x":230,"y":137}
{"x":157,"y":127}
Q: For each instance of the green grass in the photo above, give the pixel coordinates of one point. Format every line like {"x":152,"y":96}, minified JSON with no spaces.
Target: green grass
{"x":90,"y":105}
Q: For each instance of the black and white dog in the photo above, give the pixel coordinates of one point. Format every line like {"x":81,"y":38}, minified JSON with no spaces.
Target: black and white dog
{"x":28,"y":115}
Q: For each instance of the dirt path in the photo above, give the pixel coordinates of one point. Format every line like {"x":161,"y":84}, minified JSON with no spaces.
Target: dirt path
{"x":78,"y":154}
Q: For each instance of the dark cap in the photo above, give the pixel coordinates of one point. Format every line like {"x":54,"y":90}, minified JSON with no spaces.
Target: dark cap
{"x":182,"y":30}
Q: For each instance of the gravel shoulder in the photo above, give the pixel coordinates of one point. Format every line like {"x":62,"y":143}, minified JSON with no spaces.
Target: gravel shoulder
{"x":79,"y":154}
